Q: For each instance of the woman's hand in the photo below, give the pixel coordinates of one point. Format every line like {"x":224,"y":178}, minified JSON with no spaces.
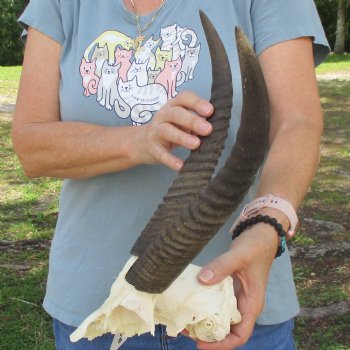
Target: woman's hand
{"x":177,"y":123}
{"x":248,"y":261}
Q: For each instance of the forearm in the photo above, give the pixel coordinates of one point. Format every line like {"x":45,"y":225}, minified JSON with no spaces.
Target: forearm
{"x":292,"y":161}
{"x":73,"y":150}
{"x":81,"y":150}
{"x":296,"y":120}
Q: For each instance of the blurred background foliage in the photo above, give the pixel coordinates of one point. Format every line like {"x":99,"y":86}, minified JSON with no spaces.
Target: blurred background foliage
{"x":11,"y":47}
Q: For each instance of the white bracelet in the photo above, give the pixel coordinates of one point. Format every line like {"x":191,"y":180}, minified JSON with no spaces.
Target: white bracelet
{"x":270,"y":201}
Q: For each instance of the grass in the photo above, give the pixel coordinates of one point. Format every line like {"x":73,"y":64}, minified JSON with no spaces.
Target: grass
{"x":335,"y":63}
{"x":325,"y":281}
{"x":9,"y":78}
{"x":28,"y":210}
{"x":329,"y":334}
{"x":20,"y":299}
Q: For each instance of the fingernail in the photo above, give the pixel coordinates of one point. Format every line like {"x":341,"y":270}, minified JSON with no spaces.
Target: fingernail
{"x":206,"y":275}
{"x":178,"y":165}
{"x":205,"y":107}
{"x":193,"y":141}
{"x":205,"y":127}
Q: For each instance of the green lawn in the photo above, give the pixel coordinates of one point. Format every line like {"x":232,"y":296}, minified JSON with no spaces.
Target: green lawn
{"x":335,"y":63}
{"x":28,"y":210}
{"x":9,"y":78}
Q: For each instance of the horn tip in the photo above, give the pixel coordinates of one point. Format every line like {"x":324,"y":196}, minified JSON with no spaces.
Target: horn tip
{"x":240,"y":36}
{"x":242,"y":40}
{"x":204,"y":18}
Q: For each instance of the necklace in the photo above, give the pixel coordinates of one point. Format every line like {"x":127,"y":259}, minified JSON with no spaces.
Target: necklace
{"x":139,"y":39}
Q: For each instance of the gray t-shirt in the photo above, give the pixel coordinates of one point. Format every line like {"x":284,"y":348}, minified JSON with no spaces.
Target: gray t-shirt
{"x":104,"y":82}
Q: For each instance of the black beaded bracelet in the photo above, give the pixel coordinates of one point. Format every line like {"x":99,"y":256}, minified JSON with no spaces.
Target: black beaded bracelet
{"x":267,"y":220}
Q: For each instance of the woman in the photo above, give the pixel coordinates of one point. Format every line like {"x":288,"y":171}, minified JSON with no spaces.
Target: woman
{"x":92,"y":72}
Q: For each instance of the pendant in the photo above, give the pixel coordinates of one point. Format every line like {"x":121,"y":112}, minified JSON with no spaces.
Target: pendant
{"x":138,"y":42}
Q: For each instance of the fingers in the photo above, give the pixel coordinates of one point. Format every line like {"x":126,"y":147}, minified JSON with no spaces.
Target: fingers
{"x":250,"y":303}
{"x":239,"y":335}
{"x":250,"y":252}
{"x":192,"y":102}
{"x":249,"y":265}
{"x":161,"y":139}
{"x":218,"y":269}
{"x":185,"y":120}
{"x":187,"y":111}
{"x":177,"y":123}
{"x":160,"y":154}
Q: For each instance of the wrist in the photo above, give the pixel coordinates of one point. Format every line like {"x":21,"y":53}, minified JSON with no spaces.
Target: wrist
{"x":134,"y":152}
{"x":261,"y":223}
{"x":279,"y":215}
{"x":275,"y":205}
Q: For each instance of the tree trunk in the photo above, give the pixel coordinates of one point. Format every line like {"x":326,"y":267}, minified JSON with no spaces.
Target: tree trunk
{"x":341,"y":23}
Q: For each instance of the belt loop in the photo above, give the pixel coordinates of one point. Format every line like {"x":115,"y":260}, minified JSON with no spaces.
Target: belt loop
{"x":118,"y":341}
{"x":163,"y":337}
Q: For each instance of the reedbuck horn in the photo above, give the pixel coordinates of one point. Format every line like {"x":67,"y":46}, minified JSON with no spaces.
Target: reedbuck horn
{"x":197,"y":205}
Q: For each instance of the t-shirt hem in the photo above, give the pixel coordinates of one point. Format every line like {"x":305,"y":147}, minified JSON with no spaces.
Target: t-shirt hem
{"x":276,"y":317}
{"x":62,"y":315}
{"x":321,"y":47}
{"x":42,"y":26}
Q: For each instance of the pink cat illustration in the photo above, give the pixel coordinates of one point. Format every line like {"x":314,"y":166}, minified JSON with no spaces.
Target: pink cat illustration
{"x":90,"y":79}
{"x":167,"y":77}
{"x":123,"y":57}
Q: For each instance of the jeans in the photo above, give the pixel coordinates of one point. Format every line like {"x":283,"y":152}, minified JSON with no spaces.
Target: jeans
{"x":274,"y":337}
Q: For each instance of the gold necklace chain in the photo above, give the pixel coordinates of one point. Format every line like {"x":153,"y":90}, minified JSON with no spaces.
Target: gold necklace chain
{"x":139,"y":39}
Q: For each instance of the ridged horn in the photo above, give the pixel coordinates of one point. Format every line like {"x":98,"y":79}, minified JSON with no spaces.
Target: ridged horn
{"x":200,"y":164}
{"x":186,"y":234}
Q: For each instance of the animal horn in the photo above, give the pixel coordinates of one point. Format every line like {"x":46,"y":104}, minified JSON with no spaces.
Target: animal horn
{"x":186,"y":232}
{"x":200,"y":164}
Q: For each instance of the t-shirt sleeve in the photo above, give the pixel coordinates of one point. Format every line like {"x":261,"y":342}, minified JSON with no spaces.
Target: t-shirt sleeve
{"x":275,"y":21}
{"x":45,"y":16}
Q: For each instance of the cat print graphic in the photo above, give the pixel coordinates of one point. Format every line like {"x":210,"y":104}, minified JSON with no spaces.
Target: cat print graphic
{"x":90,"y":79}
{"x":145,"y":53}
{"x":134,"y":85}
{"x":111,"y":39}
{"x":123,"y":57}
{"x":142,"y":100}
{"x":168,"y":76}
{"x":107,"y":91}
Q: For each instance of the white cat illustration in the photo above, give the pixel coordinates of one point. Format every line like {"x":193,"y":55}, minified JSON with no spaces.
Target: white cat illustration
{"x":190,"y":61}
{"x":142,"y":100}
{"x":139,"y":70}
{"x":145,"y":52}
{"x":175,"y":38}
{"x":100,"y":54}
{"x":107,"y":91}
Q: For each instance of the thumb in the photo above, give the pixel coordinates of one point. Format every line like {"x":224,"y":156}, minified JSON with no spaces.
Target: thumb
{"x":218,"y":269}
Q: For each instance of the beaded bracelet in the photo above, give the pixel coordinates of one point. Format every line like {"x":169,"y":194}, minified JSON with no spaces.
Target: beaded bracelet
{"x":267,"y":220}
